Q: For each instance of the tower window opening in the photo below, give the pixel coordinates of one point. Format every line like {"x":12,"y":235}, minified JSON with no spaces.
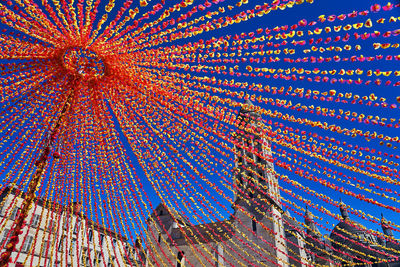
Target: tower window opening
{"x":179,"y":259}
{"x":254,"y":225}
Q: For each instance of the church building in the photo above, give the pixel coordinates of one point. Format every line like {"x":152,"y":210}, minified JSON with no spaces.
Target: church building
{"x":259,"y":232}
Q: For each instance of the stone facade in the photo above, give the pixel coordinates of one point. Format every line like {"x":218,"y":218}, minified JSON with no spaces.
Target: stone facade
{"x":259,"y":233}
{"x":56,"y":235}
{"x":253,"y":236}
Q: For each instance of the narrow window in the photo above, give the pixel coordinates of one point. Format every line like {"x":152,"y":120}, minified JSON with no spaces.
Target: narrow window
{"x":61,"y":244}
{"x":67,"y":222}
{"x":180,"y":259}
{"x":14,"y":213}
{"x":52,"y":226}
{"x":86,"y":256}
{"x":161,"y":213}
{"x":111,"y":261}
{"x":84,"y":251}
{"x":27,"y":244}
{"x":35,"y":220}
{"x":101,"y":239}
{"x":4,"y":238}
{"x":46,"y":246}
{"x":159,"y":238}
{"x":216,"y":257}
{"x":97,"y":259}
{"x":77,"y":226}
{"x":90,"y":235}
{"x":254,"y":224}
{"x":55,"y":226}
{"x":73,"y":247}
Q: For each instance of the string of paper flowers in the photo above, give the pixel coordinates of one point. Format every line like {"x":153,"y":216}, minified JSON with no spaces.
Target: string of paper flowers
{"x":116,"y":107}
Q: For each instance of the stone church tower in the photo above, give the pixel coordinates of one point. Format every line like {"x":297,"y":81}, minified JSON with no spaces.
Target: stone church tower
{"x":258,"y":233}
{"x":257,"y":210}
{"x":255,"y":234}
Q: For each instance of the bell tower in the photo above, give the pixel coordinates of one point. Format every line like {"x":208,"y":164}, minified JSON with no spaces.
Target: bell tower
{"x":253,"y":160}
{"x":257,"y":210}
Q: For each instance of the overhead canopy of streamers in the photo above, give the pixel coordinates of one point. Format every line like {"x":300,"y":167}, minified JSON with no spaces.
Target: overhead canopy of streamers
{"x":123,"y":105}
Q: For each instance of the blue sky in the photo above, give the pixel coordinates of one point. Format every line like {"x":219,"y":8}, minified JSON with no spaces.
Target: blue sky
{"x":312,"y":12}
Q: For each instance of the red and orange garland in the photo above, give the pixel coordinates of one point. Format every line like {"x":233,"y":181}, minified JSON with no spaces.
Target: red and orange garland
{"x":121,"y":106}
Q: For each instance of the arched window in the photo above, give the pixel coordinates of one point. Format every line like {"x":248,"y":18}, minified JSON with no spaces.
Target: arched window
{"x":161,"y":213}
{"x":180,"y":260}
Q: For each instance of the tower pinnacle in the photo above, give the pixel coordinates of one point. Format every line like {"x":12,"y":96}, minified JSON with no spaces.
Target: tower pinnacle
{"x":343,"y":210}
{"x":311,"y":227}
{"x":385,"y":227}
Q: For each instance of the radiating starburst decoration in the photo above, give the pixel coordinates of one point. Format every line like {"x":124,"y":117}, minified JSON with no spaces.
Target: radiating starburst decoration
{"x":121,"y":106}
